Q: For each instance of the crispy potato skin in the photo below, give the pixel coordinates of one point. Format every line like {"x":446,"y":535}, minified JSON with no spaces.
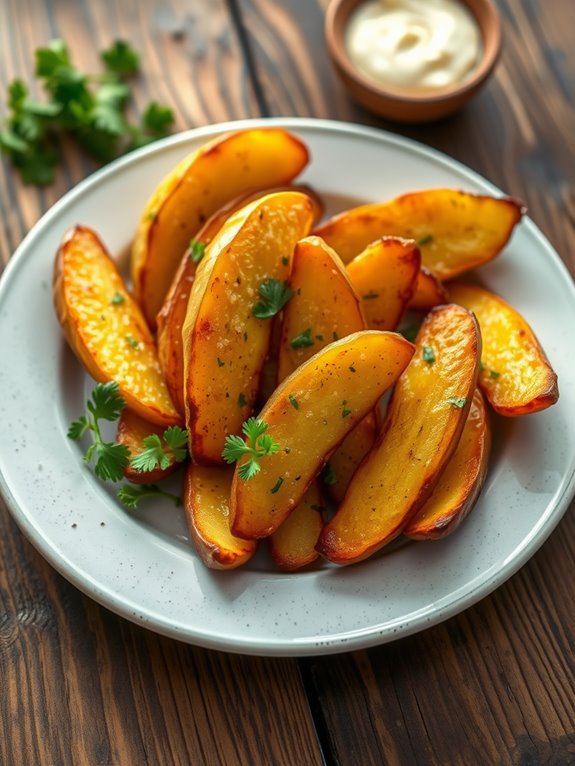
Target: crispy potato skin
{"x":206,"y":506}
{"x":215,"y":173}
{"x":454,"y":230}
{"x":171,"y":317}
{"x":333,"y":391}
{"x":460,"y":483}
{"x":292,"y":545}
{"x":323,"y":302}
{"x":429,"y":292}
{"x":132,"y":430}
{"x":384,"y":275}
{"x":105,"y":327}
{"x":225,"y":345}
{"x":516,"y":376}
{"x":349,"y":454}
{"x":426,"y":414}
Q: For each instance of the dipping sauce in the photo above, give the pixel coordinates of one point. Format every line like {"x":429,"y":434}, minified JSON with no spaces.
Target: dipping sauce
{"x":415,"y":45}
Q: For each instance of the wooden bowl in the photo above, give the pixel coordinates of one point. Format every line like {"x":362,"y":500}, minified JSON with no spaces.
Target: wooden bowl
{"x":403,"y":105}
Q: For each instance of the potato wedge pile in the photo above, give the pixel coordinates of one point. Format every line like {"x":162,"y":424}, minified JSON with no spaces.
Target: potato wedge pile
{"x":271,"y":337}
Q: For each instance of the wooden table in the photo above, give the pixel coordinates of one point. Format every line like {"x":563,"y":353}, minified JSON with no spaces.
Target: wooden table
{"x":494,"y":685}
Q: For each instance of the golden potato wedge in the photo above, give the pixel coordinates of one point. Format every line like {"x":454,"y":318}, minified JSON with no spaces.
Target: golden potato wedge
{"x":460,"y":483}
{"x":171,"y":316}
{"x":516,"y":376}
{"x":324,"y":306}
{"x":429,"y":291}
{"x":207,"y":510}
{"x":292,"y":546}
{"x":224,"y":343}
{"x":384,"y":275}
{"x":424,"y":420}
{"x":132,"y":430}
{"x":309,"y":415}
{"x":105,"y":327}
{"x":454,"y":230}
{"x":346,"y":458}
{"x":215,"y":173}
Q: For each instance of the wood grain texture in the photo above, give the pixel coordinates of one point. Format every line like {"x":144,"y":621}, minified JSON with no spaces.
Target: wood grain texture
{"x":494,"y":685}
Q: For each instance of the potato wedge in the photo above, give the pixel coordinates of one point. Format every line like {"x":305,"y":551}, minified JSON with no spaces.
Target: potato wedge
{"x":215,"y":173}
{"x":384,"y":275}
{"x":324,"y":306}
{"x":224,"y":343}
{"x":460,"y":483}
{"x":171,"y":316}
{"x":424,"y":420}
{"x":132,"y":430}
{"x":429,"y":292}
{"x":454,"y":230}
{"x":207,"y":510}
{"x":516,"y":376}
{"x":105,"y":327}
{"x":292,"y":546}
{"x":347,"y":457}
{"x":309,"y":415}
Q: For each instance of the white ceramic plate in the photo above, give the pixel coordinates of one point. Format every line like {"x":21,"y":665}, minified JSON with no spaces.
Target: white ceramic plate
{"x":140,"y":565}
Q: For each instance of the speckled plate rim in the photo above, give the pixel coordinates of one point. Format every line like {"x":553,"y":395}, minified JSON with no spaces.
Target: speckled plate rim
{"x":155,"y":580}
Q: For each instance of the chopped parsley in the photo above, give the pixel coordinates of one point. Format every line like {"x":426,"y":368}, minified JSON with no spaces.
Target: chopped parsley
{"x":303,"y":340}
{"x":274,"y":296}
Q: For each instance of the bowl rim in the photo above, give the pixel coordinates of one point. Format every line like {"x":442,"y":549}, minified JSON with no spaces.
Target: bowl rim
{"x":336,"y":19}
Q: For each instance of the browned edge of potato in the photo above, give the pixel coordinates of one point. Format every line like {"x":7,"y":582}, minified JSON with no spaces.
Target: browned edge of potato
{"x":292,"y":545}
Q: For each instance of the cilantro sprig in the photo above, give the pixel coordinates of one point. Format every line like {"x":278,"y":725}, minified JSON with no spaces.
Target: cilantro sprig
{"x":111,"y":458}
{"x":156,"y":456}
{"x":256,"y":445}
{"x":274,"y":296}
{"x":89,"y":108}
{"x":131,"y":494}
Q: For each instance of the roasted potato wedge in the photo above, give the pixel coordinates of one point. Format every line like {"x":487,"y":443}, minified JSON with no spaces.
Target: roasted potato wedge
{"x":345,"y":460}
{"x":324,"y":306}
{"x":224,"y":343}
{"x":105,"y":328}
{"x":384,"y":275}
{"x":454,"y":230}
{"x":424,"y":420}
{"x":516,"y":376}
{"x":309,"y":415}
{"x":429,"y":291}
{"x":460,"y":483}
{"x":171,"y":316}
{"x":292,"y":546}
{"x":207,"y":510}
{"x":132,"y":430}
{"x":227,"y":166}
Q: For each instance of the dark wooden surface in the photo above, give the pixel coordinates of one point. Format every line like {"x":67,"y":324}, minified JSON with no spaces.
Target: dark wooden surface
{"x":494,"y":685}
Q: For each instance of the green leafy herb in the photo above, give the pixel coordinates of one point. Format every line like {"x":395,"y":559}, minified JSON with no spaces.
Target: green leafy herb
{"x":328,"y":475}
{"x":303,"y":340}
{"x":274,"y":296}
{"x":111,"y":458}
{"x":131,"y":494}
{"x":156,"y":455}
{"x":256,"y":445}
{"x":277,"y":486}
{"x":457,"y":401}
{"x":493,"y":374}
{"x":89,"y":108}
{"x":197,"y":250}
{"x":425,"y":240}
{"x":117,"y":299}
{"x":428,"y":354}
{"x":293,"y":401}
{"x":345,"y":412}
{"x":241,"y":400}
{"x":132,"y":342}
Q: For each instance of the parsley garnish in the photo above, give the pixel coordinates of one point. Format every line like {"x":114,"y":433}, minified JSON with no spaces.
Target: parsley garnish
{"x":345,"y":412}
{"x":425,"y":240}
{"x":493,"y":374}
{"x":131,"y":494}
{"x":428,"y":354}
{"x":256,"y":445}
{"x":293,"y":401}
{"x":274,"y":296}
{"x":241,"y":400}
{"x":457,"y":401}
{"x":88,"y":108}
{"x":276,"y":487}
{"x":197,"y":250}
{"x":156,"y":456}
{"x":117,"y":299}
{"x":303,"y":340}
{"x":111,"y":458}
{"x":132,"y":342}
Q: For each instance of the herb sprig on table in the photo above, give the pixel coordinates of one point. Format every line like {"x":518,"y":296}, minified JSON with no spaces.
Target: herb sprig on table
{"x":89,"y":108}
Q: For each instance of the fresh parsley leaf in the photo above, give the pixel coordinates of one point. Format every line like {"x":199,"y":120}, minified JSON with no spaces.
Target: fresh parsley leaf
{"x":117,"y":299}
{"x":130,"y":494}
{"x":106,"y":402}
{"x":277,"y":486}
{"x":257,"y":444}
{"x":425,"y":240}
{"x":293,"y":401}
{"x":157,"y":119}
{"x":177,"y":440}
{"x":303,"y":340}
{"x":457,"y":401}
{"x":493,"y":374}
{"x":155,"y":455}
{"x":274,"y":295}
{"x":428,"y":354}
{"x":121,"y":58}
{"x":78,"y":428}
